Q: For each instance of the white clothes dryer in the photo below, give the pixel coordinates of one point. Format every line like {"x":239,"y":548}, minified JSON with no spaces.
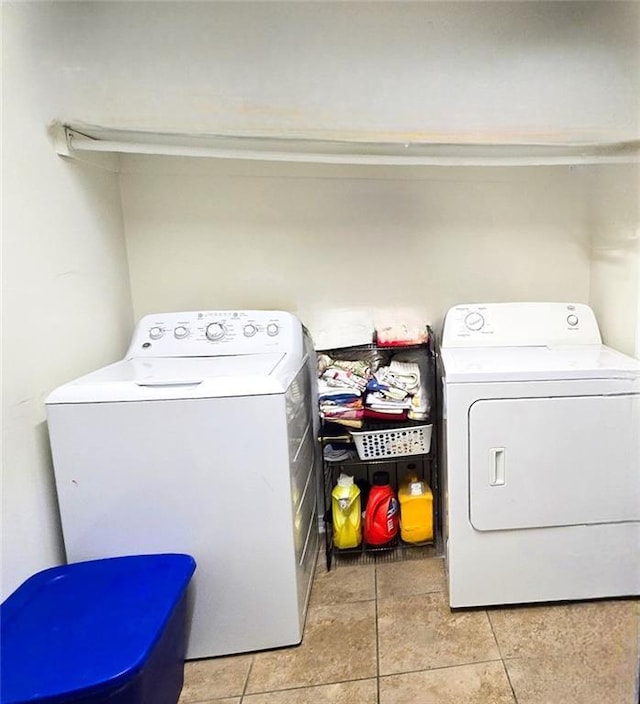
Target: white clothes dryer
{"x":542,"y":456}
{"x":201,"y":441}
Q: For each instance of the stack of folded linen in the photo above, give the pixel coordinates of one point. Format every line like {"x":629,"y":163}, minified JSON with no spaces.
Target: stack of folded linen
{"x":340,"y":390}
{"x":350,"y":391}
{"x":340,"y":405}
{"x":396,"y":393}
{"x":384,"y":401}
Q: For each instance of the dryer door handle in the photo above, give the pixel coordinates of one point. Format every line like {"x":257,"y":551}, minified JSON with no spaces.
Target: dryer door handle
{"x":497,"y":462}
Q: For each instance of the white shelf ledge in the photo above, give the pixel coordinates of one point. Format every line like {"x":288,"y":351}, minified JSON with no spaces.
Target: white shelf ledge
{"x":73,"y":141}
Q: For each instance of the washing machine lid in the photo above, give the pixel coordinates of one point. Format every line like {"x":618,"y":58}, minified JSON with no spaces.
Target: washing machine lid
{"x":542,"y":363}
{"x":152,"y":379}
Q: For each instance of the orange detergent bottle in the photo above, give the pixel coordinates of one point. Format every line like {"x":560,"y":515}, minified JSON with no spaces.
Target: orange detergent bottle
{"x":416,"y":510}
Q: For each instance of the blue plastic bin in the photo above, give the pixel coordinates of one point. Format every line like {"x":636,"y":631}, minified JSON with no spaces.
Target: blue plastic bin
{"x":110,"y":630}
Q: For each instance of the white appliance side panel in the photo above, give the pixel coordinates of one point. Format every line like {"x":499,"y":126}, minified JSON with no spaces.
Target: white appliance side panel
{"x":209,"y":477}
{"x":540,"y":462}
{"x":303,"y":446}
{"x":548,"y":564}
{"x":299,"y":411}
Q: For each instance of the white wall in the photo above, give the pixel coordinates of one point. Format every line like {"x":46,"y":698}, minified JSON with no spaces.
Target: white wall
{"x":234,"y":234}
{"x":66,"y":305}
{"x":310,"y":238}
{"x":423,"y":70}
{"x":614,"y":223}
{"x":514,"y":71}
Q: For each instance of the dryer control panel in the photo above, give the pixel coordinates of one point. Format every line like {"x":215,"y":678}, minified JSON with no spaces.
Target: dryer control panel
{"x":520,"y":325}
{"x":216,"y":333}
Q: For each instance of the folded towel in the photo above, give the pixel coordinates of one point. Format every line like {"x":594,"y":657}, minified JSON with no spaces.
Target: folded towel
{"x":341,"y":412}
{"x":339,"y":377}
{"x":349,"y":402}
{"x":384,"y":415}
{"x":408,"y":373}
{"x":420,"y":406}
{"x":400,"y":375}
{"x":347,"y":422}
{"x":338,"y":394}
{"x":357,"y":367}
{"x":338,"y":454}
{"x":386,"y":390}
{"x":390,"y":411}
{"x":394,"y":335}
{"x":377,"y":399}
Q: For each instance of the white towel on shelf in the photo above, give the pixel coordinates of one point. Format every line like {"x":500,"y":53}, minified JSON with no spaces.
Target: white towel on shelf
{"x":377,"y":401}
{"x":402,"y":375}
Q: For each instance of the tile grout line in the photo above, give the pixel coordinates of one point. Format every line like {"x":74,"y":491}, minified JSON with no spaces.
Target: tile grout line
{"x":295,"y":688}
{"x":441,"y":667}
{"x":502,"y":659}
{"x":506,"y":672}
{"x":308,"y":686}
{"x":246,"y":680}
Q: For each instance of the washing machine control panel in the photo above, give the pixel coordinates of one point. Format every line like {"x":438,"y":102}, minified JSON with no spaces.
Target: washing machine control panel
{"x":520,"y":324}
{"x":215,"y":333}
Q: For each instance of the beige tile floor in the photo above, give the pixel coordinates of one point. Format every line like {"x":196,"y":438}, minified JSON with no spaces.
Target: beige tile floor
{"x":384,"y":634}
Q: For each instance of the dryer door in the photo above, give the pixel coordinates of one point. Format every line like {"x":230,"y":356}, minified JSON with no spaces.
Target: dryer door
{"x":536,"y":462}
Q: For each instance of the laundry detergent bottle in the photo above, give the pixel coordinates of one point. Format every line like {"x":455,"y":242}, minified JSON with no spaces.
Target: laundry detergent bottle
{"x":416,"y":510}
{"x":347,"y":513}
{"x":381,"y":516}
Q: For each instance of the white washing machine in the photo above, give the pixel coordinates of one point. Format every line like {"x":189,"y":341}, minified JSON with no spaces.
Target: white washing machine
{"x":201,"y":441}
{"x":542,"y":466}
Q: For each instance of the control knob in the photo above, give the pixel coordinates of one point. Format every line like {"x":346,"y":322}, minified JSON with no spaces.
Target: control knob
{"x":215,"y":331}
{"x":572,"y":320}
{"x":156,"y":332}
{"x":180,"y":332}
{"x":474,"y":321}
{"x":249,"y":330}
{"x":272,"y":329}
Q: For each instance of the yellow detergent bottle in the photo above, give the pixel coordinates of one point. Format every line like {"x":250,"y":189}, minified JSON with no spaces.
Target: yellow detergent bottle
{"x":347,"y":514}
{"x":416,"y":510}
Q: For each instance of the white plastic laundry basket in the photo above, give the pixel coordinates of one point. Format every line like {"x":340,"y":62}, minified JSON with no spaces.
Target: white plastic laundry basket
{"x":398,"y":442}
